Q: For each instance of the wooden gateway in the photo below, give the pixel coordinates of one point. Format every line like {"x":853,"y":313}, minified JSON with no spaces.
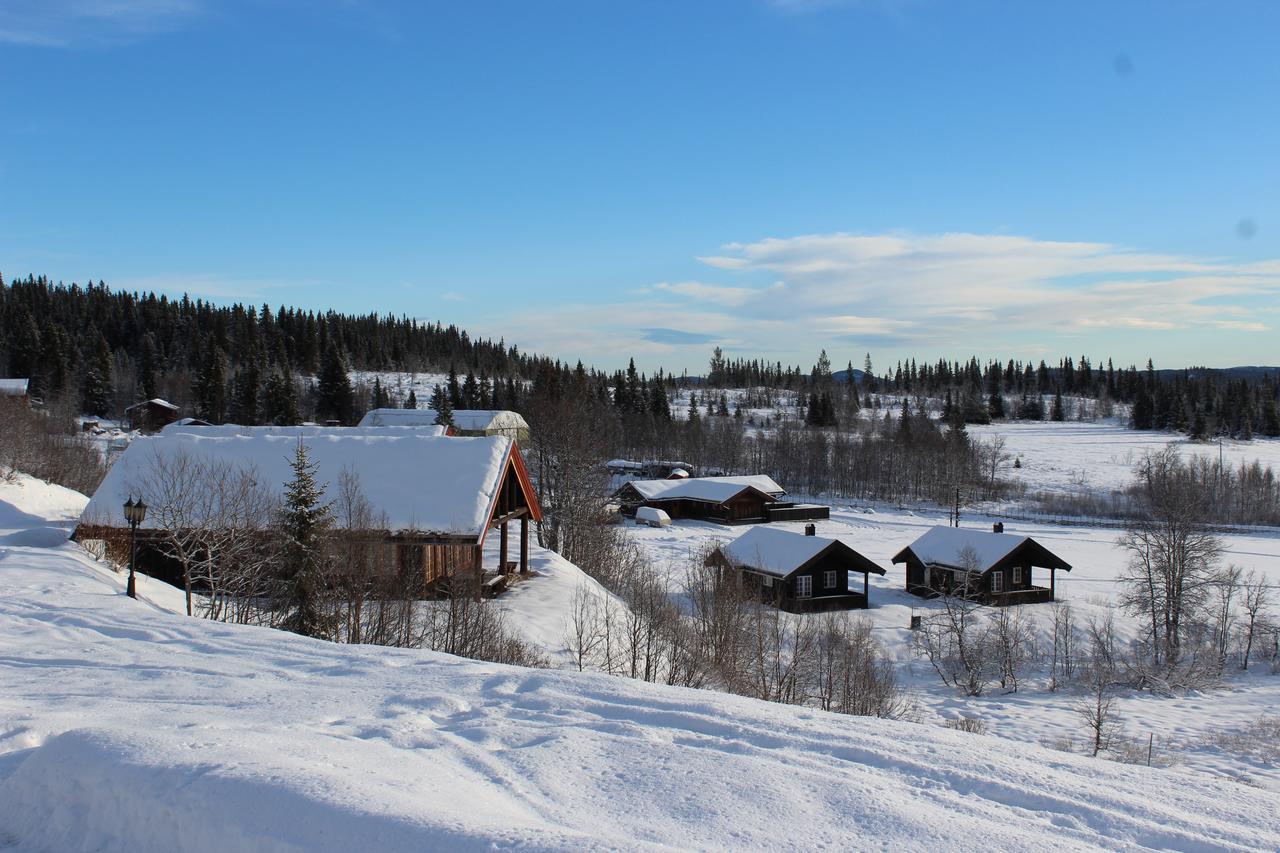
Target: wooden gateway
{"x":436,"y":499}
{"x":990,"y":567}
{"x":799,"y":572}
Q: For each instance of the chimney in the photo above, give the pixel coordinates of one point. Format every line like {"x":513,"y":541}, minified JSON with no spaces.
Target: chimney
{"x":998,"y":527}
{"x":810,"y":530}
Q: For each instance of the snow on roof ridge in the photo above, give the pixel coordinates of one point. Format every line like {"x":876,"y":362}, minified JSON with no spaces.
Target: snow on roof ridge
{"x":774,"y":551}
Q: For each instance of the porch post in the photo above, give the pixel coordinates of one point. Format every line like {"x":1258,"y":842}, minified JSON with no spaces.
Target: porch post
{"x":1053,"y":584}
{"x":502,"y":566}
{"x":478,"y":569}
{"x":866,"y":589}
{"x":524,"y":544}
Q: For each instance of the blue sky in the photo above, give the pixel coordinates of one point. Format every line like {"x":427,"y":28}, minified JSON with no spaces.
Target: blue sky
{"x":916,"y":178}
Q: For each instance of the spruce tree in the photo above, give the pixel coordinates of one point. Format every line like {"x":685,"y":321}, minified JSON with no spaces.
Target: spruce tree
{"x":303,"y":522}
{"x":334,"y":397}
{"x":280,"y":401}
{"x":411,"y":402}
{"x":1057,"y":413}
{"x":443,"y":407}
{"x":211,"y":386}
{"x":95,"y":396}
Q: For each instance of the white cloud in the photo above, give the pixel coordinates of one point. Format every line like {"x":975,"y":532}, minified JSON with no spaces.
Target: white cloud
{"x":66,"y":23}
{"x":716,"y":294}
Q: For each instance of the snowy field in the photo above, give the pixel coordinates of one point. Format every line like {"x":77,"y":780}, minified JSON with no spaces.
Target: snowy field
{"x":1182,"y":725}
{"x":1075,"y":456}
{"x":126,"y":727}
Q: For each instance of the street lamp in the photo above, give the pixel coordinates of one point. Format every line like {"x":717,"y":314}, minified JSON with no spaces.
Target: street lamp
{"x":134,"y":513}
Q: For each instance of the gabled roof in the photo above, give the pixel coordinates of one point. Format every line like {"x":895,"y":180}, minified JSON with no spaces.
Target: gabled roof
{"x":190,"y":426}
{"x":711,"y":489}
{"x":471,"y":420}
{"x":981,"y":550}
{"x":421,"y":484}
{"x":781,"y":553}
{"x":14,"y":387}
{"x":154,"y":401}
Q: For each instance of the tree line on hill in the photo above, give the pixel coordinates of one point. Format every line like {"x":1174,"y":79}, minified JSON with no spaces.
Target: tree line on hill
{"x":105,"y":350}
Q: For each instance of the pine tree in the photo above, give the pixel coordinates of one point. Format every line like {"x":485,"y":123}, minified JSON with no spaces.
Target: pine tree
{"x":95,"y":397}
{"x":148,"y":380}
{"x":455,"y":393}
{"x":304,"y":521}
{"x":334,"y":397}
{"x":443,"y":407}
{"x":280,"y":401}
{"x":411,"y":402}
{"x":211,"y":386}
{"x":1057,"y":413}
{"x":246,"y":395}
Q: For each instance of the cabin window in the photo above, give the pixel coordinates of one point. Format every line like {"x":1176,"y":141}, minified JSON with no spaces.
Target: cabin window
{"x":997,"y":581}
{"x":804,"y":586}
{"x":1017,"y":575}
{"x":768,"y":581}
{"x":829,"y":580}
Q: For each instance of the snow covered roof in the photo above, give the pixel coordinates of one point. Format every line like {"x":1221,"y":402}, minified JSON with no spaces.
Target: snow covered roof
{"x":954,"y":546}
{"x":422,"y":484}
{"x":713,"y":489}
{"x":154,"y":401}
{"x":14,"y":387}
{"x":471,"y":420}
{"x":780,"y":552}
{"x":188,"y":427}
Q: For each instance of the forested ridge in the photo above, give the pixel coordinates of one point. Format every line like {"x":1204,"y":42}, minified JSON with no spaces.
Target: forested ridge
{"x":103,"y":349}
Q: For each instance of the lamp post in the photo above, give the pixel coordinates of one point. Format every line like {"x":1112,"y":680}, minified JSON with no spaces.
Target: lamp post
{"x":134,"y":513}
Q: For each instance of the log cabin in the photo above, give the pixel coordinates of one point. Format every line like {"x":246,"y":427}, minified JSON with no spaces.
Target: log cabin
{"x":151,"y":415}
{"x":989,"y":567}
{"x":725,"y":500}
{"x":436,"y":499}
{"x":799,"y":572}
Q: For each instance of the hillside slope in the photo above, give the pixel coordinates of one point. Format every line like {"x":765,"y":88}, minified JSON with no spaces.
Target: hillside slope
{"x":126,"y":727}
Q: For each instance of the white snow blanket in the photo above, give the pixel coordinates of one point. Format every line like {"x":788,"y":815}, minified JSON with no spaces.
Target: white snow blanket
{"x":127,"y":728}
{"x":419,"y":482}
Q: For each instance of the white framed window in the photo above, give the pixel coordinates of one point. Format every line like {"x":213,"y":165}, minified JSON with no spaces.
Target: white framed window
{"x":1017,"y":575}
{"x":766,"y":580}
{"x":997,"y":581}
{"x":804,"y":586}
{"x":829,"y":580}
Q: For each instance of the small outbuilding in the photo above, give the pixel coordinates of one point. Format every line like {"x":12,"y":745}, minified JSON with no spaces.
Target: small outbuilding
{"x":652,"y":517}
{"x":151,"y":415}
{"x":989,"y":567}
{"x":799,"y":572}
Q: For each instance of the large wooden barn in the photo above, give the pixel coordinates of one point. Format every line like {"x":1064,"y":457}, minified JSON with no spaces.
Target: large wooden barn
{"x":986,"y":566}
{"x":151,"y":415}
{"x":436,"y":499}
{"x":726,"y":500}
{"x":799,"y":572}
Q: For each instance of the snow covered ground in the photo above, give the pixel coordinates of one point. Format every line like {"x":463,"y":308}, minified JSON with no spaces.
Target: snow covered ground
{"x":1076,"y":456}
{"x":127,"y":727}
{"x":1182,"y":725}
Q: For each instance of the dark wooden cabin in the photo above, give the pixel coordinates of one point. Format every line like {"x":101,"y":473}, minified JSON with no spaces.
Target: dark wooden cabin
{"x":151,"y":415}
{"x":440,"y":497}
{"x":988,"y":567}
{"x":724,"y":500}
{"x":799,"y":572}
